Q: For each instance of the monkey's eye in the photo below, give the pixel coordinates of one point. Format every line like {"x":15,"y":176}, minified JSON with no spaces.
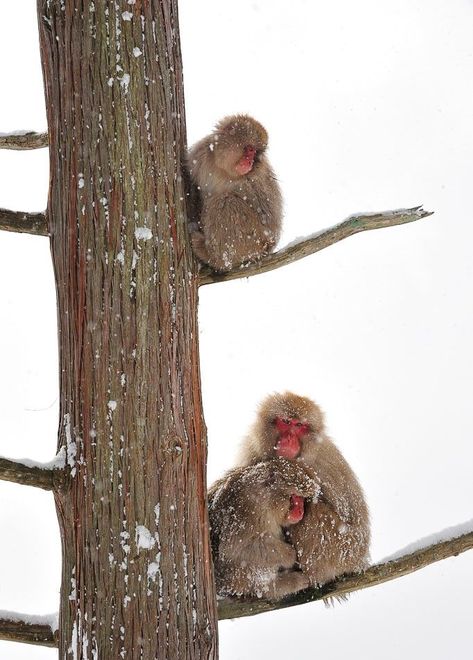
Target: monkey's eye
{"x":299,"y":424}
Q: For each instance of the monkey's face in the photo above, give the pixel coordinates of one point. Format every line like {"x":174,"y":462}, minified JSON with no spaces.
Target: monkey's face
{"x":239,"y":145}
{"x":288,"y":426}
{"x":296,"y":510}
{"x":247,"y":160}
{"x":237,"y":159}
{"x":290,"y":432}
{"x":288,"y":509}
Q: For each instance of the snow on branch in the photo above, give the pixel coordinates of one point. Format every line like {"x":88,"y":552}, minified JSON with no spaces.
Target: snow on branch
{"x":22,"y":140}
{"x":445,"y":546}
{"x":30,"y":473}
{"x":16,"y":627}
{"x":318,"y":241}
{"x":23,"y":223}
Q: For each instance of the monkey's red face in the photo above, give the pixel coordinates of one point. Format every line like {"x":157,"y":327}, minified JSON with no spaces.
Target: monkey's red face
{"x":246,"y":162}
{"x":296,"y":509}
{"x":290,"y":431}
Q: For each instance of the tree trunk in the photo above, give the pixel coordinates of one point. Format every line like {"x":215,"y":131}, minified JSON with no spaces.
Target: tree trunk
{"x":136,"y":579}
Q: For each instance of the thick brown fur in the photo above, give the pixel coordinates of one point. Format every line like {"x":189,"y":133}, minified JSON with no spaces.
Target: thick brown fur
{"x":239,"y":216}
{"x":334,"y":536}
{"x":248,"y":511}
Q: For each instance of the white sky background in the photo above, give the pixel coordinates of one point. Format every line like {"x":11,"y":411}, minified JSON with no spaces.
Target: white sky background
{"x":369,"y":107}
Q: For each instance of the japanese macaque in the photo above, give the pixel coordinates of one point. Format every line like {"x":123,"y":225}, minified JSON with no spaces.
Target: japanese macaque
{"x":240,"y":204}
{"x":334,"y":536}
{"x":249,"y":509}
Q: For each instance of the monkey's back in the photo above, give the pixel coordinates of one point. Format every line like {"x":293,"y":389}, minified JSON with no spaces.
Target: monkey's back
{"x":243,"y":222}
{"x":246,"y":507}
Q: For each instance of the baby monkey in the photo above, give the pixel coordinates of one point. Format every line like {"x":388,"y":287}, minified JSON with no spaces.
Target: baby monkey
{"x":334,"y":536}
{"x":249,"y":509}
{"x":239,"y":204}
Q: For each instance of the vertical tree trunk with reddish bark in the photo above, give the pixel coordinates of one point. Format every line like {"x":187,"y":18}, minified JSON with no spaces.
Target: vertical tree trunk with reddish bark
{"x":137,"y":579}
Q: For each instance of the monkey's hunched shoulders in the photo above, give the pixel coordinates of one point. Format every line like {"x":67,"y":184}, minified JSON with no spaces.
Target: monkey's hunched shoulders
{"x":240,"y":207}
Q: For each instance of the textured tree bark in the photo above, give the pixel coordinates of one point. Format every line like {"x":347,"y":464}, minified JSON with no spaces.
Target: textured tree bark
{"x":137,"y":578}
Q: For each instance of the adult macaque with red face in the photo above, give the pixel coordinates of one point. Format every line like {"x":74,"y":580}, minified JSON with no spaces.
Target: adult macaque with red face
{"x":290,"y":434}
{"x":249,"y":510}
{"x":334,"y":535}
{"x":239,"y":201}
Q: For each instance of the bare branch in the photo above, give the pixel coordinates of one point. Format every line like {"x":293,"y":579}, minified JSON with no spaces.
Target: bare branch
{"x":22,"y":140}
{"x":232,"y":608}
{"x":41,"y":475}
{"x":23,"y":223}
{"x":319,"y":241}
{"x":15,"y":627}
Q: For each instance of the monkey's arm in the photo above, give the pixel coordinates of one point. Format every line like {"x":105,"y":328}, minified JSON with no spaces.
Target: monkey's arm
{"x":271,"y":552}
{"x":264,"y":551}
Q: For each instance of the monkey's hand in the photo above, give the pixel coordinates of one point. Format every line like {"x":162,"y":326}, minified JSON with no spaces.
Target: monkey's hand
{"x":270,"y":552}
{"x":263,"y":551}
{"x":287,"y":582}
{"x":199,"y":246}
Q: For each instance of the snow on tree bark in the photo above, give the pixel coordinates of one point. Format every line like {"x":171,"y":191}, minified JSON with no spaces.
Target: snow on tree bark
{"x":136,"y":579}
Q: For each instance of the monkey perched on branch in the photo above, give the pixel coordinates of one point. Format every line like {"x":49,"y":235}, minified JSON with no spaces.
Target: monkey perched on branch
{"x":240,"y":204}
{"x":334,"y":536}
{"x":249,"y":508}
